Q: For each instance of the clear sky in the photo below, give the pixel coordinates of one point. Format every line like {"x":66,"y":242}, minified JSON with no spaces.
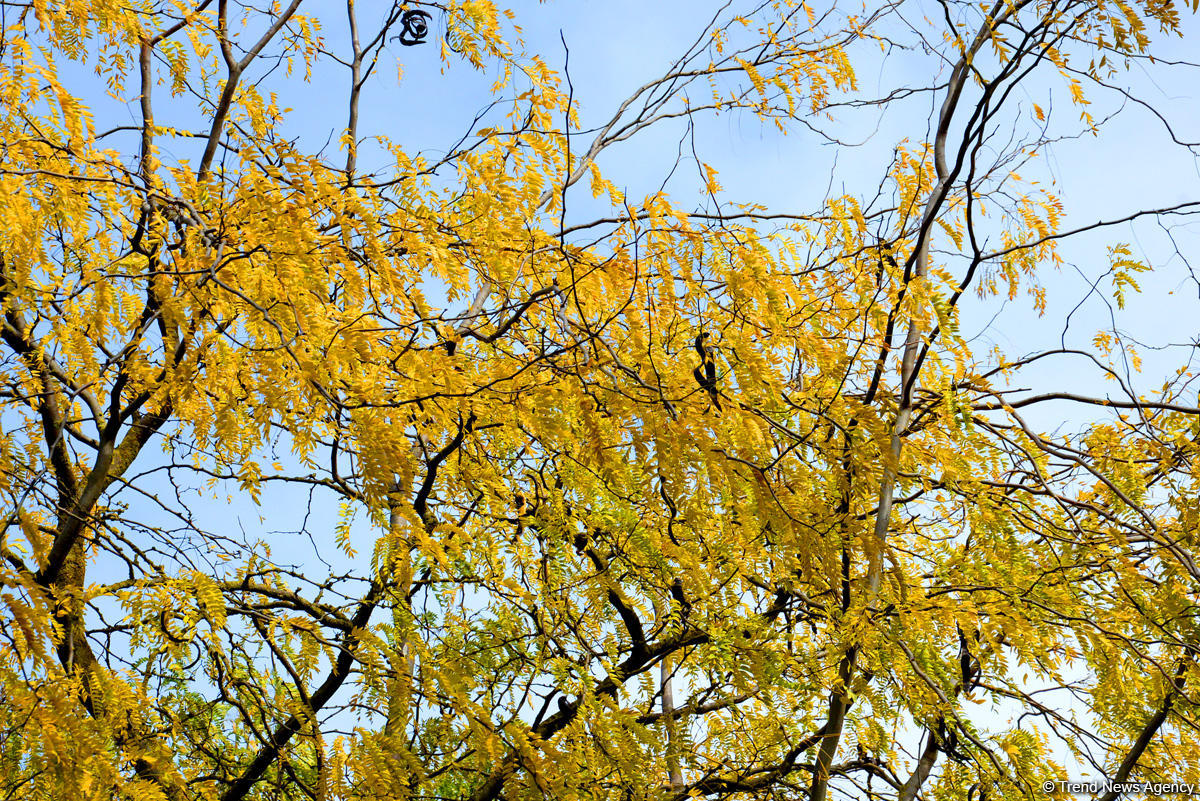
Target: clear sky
{"x":614,"y":47}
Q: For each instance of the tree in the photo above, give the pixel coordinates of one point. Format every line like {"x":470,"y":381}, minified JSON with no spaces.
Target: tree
{"x":635,"y":498}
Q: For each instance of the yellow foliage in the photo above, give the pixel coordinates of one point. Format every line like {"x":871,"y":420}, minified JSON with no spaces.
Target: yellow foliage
{"x":346,"y":471}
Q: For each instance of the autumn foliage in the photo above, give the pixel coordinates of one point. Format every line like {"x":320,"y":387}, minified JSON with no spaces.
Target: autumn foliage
{"x":343,"y":470}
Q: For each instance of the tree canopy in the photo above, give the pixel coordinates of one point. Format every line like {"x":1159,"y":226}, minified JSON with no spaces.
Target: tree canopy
{"x":595,"y":491}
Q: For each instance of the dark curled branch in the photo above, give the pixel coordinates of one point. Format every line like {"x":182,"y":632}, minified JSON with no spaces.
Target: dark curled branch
{"x":414,"y":27}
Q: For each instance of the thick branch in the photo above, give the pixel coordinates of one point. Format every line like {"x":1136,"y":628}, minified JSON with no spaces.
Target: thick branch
{"x":1148,"y":731}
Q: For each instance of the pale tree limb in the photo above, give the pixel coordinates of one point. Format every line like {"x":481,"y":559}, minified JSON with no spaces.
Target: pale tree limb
{"x":839,"y":702}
